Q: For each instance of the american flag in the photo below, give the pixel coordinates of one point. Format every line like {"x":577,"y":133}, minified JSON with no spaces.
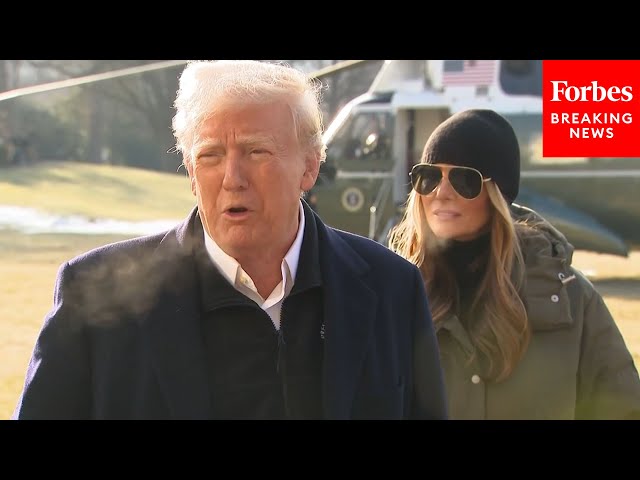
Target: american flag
{"x":468,"y":72}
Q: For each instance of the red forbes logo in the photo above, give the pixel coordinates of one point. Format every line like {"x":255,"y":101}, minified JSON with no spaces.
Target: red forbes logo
{"x":593,"y":93}
{"x":589,"y":108}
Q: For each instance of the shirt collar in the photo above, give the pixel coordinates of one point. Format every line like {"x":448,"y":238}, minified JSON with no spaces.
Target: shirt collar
{"x":229,"y":266}
{"x":292,"y":257}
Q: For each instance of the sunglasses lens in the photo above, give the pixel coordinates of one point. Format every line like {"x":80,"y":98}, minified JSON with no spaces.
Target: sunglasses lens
{"x":425,"y":178}
{"x":467,"y":182}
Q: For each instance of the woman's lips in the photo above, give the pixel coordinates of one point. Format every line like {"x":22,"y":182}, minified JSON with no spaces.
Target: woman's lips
{"x":446,"y":214}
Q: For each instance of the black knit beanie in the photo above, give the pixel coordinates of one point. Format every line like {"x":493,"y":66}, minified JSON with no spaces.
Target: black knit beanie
{"x":481,"y":139}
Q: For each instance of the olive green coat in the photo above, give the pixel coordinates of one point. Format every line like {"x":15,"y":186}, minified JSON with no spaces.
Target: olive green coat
{"x":577,"y":365}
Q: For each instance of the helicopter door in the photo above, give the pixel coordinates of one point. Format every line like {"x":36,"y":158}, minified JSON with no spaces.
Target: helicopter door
{"x":356,"y":182}
{"x":365,"y":143}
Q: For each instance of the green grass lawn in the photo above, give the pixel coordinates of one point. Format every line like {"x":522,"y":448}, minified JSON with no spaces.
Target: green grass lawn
{"x":97,"y":191}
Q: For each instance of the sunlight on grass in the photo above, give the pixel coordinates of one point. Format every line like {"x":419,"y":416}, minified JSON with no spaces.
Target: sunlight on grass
{"x":97,"y":191}
{"x":28,"y":266}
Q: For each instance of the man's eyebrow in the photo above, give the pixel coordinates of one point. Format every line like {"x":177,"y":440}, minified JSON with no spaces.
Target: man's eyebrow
{"x":256,"y":139}
{"x":207,"y":143}
{"x":243,"y":140}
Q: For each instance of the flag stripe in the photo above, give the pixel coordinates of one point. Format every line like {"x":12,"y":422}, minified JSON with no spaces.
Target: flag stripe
{"x":468,"y":72}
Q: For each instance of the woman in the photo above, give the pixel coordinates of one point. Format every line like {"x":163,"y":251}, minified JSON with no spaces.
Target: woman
{"x":522,"y":334}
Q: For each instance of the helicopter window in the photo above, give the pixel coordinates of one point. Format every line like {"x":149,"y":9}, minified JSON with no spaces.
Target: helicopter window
{"x":521,"y":77}
{"x":364,"y":143}
{"x":518,"y":67}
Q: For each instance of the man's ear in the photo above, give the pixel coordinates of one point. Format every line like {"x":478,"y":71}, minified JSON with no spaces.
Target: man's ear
{"x":192,"y":178}
{"x":312,"y":168}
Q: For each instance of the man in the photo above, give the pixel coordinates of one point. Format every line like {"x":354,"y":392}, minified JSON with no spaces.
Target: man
{"x":250,"y":309}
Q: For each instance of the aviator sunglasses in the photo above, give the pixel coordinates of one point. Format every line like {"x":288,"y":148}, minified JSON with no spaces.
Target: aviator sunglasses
{"x":466,"y":181}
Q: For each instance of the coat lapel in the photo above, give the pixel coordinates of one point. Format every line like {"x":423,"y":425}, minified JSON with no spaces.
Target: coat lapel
{"x":173,"y":327}
{"x":350,"y":307}
{"x":175,"y":338}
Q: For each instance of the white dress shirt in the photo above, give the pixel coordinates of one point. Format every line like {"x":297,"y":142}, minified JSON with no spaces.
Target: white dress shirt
{"x":241,"y":281}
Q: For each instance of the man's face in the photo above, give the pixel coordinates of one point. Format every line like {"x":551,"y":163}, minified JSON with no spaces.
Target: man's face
{"x":247,"y":172}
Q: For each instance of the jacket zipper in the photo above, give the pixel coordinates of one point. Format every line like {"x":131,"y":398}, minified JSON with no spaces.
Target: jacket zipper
{"x":281,"y":368}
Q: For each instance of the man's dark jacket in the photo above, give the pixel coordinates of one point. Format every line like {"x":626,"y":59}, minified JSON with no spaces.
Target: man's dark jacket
{"x":123,"y":339}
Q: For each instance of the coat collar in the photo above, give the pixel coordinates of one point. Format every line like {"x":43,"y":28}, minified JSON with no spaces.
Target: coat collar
{"x":175,"y":338}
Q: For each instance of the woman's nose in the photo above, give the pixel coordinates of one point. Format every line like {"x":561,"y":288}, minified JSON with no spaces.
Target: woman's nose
{"x":444,"y":188}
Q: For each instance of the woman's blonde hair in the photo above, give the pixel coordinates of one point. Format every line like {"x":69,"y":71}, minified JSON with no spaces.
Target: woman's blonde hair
{"x":208,"y":87}
{"x":498,"y":327}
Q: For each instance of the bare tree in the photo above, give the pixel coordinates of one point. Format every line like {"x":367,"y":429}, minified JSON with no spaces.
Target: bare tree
{"x":146,"y":96}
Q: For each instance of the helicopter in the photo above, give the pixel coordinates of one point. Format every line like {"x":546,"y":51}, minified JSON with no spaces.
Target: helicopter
{"x":375,"y":139}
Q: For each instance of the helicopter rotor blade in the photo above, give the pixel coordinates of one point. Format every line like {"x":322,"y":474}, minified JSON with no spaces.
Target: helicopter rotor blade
{"x":338,"y":67}
{"x":72,"y":82}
